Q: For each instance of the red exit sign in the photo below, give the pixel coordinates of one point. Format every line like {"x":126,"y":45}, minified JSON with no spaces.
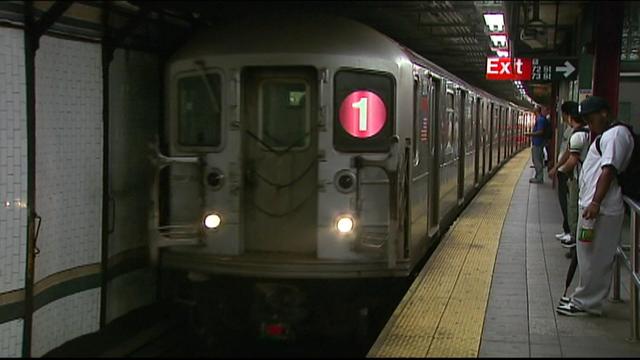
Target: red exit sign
{"x":508,"y":69}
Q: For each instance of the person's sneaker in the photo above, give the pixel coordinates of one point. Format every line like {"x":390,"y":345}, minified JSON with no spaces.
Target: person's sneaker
{"x":535,"y":181}
{"x":569,"y":309}
{"x":563,"y":236}
{"x":569,"y":243}
{"x":564,"y":300}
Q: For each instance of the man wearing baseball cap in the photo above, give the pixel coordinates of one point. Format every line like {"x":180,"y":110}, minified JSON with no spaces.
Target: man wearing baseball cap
{"x":601,"y":210}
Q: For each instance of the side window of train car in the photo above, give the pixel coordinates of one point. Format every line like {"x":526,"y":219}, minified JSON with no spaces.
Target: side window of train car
{"x":199,"y":110}
{"x":363,"y":111}
{"x":468,"y":123}
{"x":284,"y":114}
{"x":448,"y":132}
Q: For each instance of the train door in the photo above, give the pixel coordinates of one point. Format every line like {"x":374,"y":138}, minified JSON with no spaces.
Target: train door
{"x":514,"y":127}
{"x":462,"y":146}
{"x":477,"y":116}
{"x":507,"y":133}
{"x":422,"y":158}
{"x":483,"y":136}
{"x":469,"y":143}
{"x":490,"y":138}
{"x":448,"y":154}
{"x":495,"y":141}
{"x":436,"y":90}
{"x":500,"y":134}
{"x":280,"y":151}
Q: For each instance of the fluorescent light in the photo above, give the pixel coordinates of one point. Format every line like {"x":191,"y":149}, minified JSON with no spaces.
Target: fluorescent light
{"x":499,"y":41}
{"x":495,"y":22}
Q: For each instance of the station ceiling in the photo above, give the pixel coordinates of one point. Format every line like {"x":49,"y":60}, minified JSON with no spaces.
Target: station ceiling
{"x":452,"y":34}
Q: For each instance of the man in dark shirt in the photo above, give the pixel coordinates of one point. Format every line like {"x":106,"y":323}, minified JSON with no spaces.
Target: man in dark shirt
{"x":537,"y":145}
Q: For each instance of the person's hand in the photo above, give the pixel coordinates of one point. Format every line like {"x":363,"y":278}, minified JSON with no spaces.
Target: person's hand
{"x":591,"y":211}
{"x":553,"y":172}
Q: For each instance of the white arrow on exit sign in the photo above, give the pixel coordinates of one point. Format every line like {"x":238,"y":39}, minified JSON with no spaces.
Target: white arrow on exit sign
{"x":568,"y":69}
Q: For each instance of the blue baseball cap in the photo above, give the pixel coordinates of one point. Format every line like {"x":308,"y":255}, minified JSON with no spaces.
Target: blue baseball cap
{"x":592,"y":104}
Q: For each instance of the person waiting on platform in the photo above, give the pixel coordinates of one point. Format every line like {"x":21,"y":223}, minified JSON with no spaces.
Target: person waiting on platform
{"x":563,"y":177}
{"x":601,"y":210}
{"x":570,"y":164}
{"x":537,"y":144}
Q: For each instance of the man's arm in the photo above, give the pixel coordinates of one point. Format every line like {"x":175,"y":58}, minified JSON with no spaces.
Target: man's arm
{"x":602,"y":186}
{"x":536,"y":133}
{"x":563,"y":159}
{"x":571,"y":162}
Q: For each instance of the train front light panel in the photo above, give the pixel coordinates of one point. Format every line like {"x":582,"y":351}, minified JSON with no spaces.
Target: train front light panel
{"x":212,"y":221}
{"x":345,"y":181}
{"x":345,"y":224}
{"x":215,"y":179}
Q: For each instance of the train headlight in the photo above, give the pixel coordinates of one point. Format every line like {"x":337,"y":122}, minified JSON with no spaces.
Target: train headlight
{"x":345,"y":224}
{"x":212,"y":221}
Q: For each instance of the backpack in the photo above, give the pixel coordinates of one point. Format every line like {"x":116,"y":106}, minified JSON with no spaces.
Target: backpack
{"x":547,"y":132}
{"x":628,"y":179}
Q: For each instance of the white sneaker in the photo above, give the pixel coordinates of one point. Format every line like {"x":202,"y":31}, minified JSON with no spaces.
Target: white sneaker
{"x":563,"y":236}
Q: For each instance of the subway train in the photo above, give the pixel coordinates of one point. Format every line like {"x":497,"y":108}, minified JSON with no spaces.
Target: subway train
{"x":310,"y":150}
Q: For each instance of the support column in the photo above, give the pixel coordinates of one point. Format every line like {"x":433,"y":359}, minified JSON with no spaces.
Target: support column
{"x":586,"y":49}
{"x":608,"y":41}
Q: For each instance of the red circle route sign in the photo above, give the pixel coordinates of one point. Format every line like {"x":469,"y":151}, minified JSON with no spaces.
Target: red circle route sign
{"x":363,"y":114}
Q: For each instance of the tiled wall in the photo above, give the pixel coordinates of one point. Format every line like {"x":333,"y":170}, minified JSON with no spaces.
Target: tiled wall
{"x":68,"y":154}
{"x":68,"y":182}
{"x":11,"y":338}
{"x":130,"y":291}
{"x":13,"y":179}
{"x":133,"y":124}
{"x":69,"y":179}
{"x":13,"y":160}
{"x":65,"y":319}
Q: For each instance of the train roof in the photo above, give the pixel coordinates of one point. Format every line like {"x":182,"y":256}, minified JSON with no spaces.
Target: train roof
{"x":305,"y":34}
{"x":313,"y":34}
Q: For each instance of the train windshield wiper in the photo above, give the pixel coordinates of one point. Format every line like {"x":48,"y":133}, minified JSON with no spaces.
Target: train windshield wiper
{"x":208,"y":85}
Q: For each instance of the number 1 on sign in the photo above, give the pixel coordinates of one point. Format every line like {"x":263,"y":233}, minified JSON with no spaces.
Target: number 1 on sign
{"x":362,"y":106}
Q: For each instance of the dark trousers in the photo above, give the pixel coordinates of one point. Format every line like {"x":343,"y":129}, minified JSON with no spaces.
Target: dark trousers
{"x":563,"y":195}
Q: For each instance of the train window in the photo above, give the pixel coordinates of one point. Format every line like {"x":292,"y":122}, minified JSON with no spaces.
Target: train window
{"x":199,"y":110}
{"x":284,"y":114}
{"x":449,"y":100}
{"x":448,"y":136}
{"x":363,"y":111}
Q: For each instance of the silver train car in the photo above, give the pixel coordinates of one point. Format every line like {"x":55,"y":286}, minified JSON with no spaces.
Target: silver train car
{"x":317,"y":148}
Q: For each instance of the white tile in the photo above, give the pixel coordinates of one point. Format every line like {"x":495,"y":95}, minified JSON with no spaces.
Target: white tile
{"x":68,"y":156}
{"x":65,"y":319}
{"x":13,"y":166}
{"x":11,"y":337}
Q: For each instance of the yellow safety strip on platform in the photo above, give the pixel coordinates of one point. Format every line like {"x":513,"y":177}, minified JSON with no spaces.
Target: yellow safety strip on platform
{"x":442,"y":314}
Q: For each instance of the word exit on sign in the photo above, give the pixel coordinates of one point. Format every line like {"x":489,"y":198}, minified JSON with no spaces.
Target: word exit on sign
{"x":508,"y":69}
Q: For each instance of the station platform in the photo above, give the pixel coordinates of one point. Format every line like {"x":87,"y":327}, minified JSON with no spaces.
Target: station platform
{"x":491,"y":287}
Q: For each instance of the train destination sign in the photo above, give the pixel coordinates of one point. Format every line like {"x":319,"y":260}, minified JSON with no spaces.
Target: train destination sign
{"x":554,"y":69}
{"x":363,"y":114}
{"x":530,"y":69}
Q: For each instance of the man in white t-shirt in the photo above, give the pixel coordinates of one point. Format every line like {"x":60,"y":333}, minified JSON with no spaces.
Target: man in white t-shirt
{"x":568,"y":109}
{"x":600,"y":201}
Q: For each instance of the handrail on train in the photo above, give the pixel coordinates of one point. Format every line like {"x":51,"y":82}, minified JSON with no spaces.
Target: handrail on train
{"x":631,"y":263}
